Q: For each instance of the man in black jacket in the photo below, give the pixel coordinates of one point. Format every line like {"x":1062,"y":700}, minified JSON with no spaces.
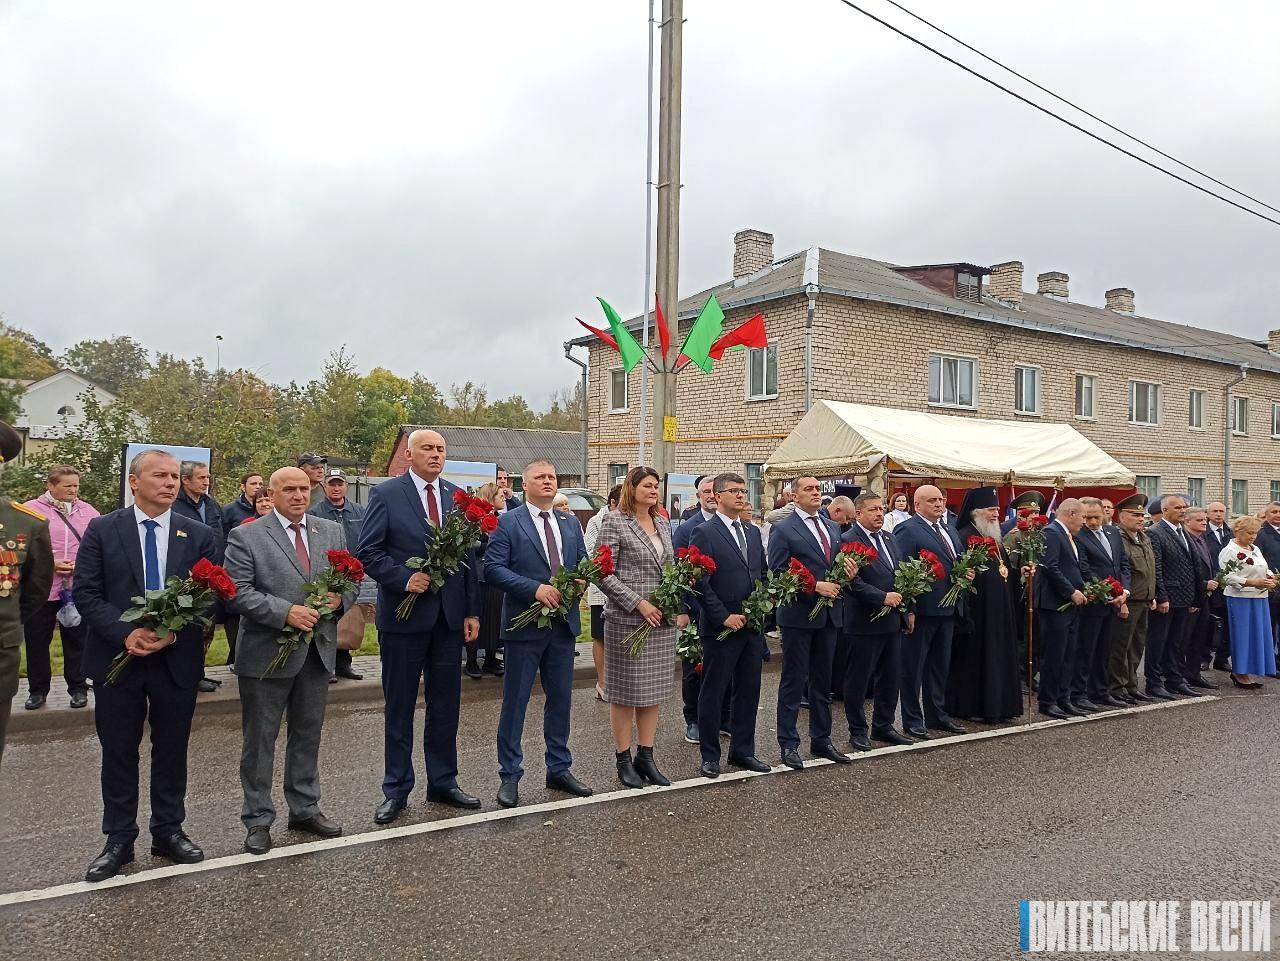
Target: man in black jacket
{"x":1178,"y":591}
{"x":195,"y":502}
{"x":1104,"y":553}
{"x":235,"y":513}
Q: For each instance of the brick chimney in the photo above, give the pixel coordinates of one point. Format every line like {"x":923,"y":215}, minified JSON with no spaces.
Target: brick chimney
{"x":1273,"y":341}
{"x":1120,"y":299}
{"x":752,"y":251}
{"x":1006,"y":282}
{"x":1052,"y":283}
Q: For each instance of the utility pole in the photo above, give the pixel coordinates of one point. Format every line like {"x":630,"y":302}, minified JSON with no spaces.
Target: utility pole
{"x":668,"y":240}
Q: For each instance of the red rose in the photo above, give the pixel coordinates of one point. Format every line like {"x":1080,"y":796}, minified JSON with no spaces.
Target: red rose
{"x":975,"y":540}
{"x":474,"y":512}
{"x":461,"y":499}
{"x":1248,"y":560}
{"x":1024,"y":524}
{"x":1241,"y":557}
{"x":682,"y":553}
{"x":697,"y":669}
{"x":204,"y":568}
{"x":489,"y":523}
{"x":604,"y":560}
{"x":1039,"y":520}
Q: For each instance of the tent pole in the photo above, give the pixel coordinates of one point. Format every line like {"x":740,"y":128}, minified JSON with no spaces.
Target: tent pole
{"x":1031,"y":622}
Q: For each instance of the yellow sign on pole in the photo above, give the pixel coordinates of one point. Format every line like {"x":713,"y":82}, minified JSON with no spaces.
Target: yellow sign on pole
{"x":668,"y":429}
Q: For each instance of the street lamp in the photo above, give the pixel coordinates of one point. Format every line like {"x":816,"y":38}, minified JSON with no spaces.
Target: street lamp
{"x":218,"y":364}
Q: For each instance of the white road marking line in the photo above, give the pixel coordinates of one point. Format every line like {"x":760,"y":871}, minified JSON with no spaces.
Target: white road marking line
{"x":483,"y":817}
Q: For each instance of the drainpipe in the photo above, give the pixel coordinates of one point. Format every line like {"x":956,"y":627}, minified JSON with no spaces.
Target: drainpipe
{"x":811,"y":290}
{"x":568,"y":356}
{"x":1226,"y":444}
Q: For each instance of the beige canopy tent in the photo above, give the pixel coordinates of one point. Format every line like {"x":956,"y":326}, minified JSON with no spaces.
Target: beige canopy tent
{"x":836,"y":438}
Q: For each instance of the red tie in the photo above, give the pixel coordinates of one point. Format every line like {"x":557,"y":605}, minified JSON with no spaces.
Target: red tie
{"x":433,"y":509}
{"x":300,"y":548}
{"x":822,"y":536}
{"x":553,"y":553}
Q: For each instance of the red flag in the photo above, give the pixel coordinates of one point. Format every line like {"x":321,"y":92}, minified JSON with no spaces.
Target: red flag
{"x":750,"y":333}
{"x":599,"y":333}
{"x":664,"y":335}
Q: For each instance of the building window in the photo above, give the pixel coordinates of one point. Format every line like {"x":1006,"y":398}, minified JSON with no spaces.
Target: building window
{"x":617,"y":391}
{"x":951,"y":381}
{"x":1084,"y":395}
{"x":1275,"y":491}
{"x":762,"y":372}
{"x":1148,"y":485}
{"x":1195,"y":409}
{"x":1239,"y":415}
{"x":755,"y":489}
{"x":66,"y":410}
{"x":616,"y":474}
{"x":1026,"y":390}
{"x":1239,"y":497}
{"x":1275,"y":420}
{"x":1144,"y":402}
{"x":1195,"y":491}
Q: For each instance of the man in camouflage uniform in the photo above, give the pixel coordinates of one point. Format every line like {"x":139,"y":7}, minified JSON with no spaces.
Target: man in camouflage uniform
{"x":26,"y":574}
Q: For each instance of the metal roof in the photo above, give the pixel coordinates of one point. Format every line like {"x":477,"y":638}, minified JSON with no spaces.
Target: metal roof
{"x":510,"y":447}
{"x":859,"y":278}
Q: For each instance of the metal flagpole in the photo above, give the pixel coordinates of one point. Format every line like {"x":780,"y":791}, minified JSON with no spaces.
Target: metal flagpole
{"x":648,"y":243}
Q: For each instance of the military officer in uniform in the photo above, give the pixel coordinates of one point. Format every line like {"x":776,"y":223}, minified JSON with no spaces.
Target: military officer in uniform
{"x":1131,"y":630}
{"x":26,"y":574}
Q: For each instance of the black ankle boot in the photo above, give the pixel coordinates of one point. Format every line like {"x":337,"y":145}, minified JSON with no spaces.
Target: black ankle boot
{"x":627,"y":771}
{"x":473,"y":666}
{"x":647,"y":769}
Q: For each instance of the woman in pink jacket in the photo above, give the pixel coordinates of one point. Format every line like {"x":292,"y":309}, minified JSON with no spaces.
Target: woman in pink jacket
{"x":68,"y":517}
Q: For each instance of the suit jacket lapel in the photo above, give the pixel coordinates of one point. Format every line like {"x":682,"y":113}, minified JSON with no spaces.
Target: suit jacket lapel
{"x":127,"y":529}
{"x":415,"y":502}
{"x":525,"y":520}
{"x":566,"y":532}
{"x":173,"y":561}
{"x":728,"y":538}
{"x":644,"y":538}
{"x":277,"y":534}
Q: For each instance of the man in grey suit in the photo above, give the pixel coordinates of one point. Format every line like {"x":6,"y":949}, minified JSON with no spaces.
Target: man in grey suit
{"x":271,"y":561}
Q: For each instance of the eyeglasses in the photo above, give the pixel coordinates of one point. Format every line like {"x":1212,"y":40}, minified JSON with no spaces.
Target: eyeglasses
{"x":741,"y":492}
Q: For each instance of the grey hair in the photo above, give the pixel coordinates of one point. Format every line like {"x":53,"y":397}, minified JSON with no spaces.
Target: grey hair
{"x":189,"y":467}
{"x":135,"y":465}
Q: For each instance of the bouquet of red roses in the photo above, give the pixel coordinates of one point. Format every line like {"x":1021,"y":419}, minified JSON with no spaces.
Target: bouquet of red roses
{"x":776,"y":589}
{"x":1098,"y":590}
{"x":572,"y":583}
{"x":1032,"y":547}
{"x":914,"y":577}
{"x":447,"y":546}
{"x":1233,"y":566}
{"x":976,"y":557}
{"x":860,"y":554}
{"x":677,"y":580}
{"x":343,"y":573}
{"x":181,"y":602}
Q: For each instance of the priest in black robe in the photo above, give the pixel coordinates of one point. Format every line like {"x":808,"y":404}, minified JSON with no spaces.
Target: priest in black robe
{"x":984,"y":682}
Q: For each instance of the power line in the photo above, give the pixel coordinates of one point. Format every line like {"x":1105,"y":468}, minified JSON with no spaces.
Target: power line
{"x":1061,"y":119}
{"x":1076,"y":106}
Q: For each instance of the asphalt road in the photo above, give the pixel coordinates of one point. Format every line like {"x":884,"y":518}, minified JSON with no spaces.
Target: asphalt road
{"x":915,"y":855}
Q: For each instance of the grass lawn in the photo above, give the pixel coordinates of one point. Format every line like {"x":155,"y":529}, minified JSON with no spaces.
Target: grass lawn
{"x":217,"y":654}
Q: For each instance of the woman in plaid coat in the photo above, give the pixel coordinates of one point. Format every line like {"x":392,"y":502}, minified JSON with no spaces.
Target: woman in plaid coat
{"x":635,"y":687}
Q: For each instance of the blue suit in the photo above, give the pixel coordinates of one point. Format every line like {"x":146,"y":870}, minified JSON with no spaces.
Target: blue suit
{"x":874,"y":645}
{"x":926,"y":651}
{"x":1097,"y":621}
{"x":808,"y":646}
{"x":159,"y":688}
{"x":516,"y":563}
{"x":730,"y":668}
{"x":429,"y":642}
{"x":1060,"y":574}
{"x":690,"y":679}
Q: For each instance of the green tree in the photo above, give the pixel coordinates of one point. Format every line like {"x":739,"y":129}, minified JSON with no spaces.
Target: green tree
{"x":565,"y":412}
{"x":114,"y":363}
{"x":22,"y":357}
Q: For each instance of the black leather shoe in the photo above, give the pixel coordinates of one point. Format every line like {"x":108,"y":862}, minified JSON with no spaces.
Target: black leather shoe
{"x":495,"y":667}
{"x":472,"y":670}
{"x":692,"y":734}
{"x":1183,"y":688}
{"x":1141,"y":697}
{"x":34,"y":701}
{"x":1071,"y":710}
{"x":950,"y":726}
{"x":890,"y":736}
{"x":709,"y":769}
{"x":1219,"y":665}
{"x":1106,"y":700}
{"x":627,"y":770}
{"x":454,"y":797}
{"x":1158,"y":692}
{"x":1055,"y":712}
{"x":1086,"y":705}
{"x":1128,"y":699}
{"x":389,"y":810}
{"x":860,"y":743}
{"x":317,"y":824}
{"x":258,"y":840}
{"x":565,"y":781}
{"x":647,"y":768}
{"x":108,"y":864}
{"x":350,"y":675}
{"x":1203,"y":683}
{"x":792,"y":759}
{"x":828,"y":750}
{"x":79,"y":699}
{"x":177,"y":847}
{"x":919,"y":733}
{"x":751,"y":763}
{"x":509,"y":794}
{"x":206,"y":685}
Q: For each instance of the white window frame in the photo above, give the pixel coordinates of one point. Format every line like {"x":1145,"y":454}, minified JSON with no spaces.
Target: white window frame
{"x":1193,"y":408}
{"x":626,"y":391}
{"x":1244,"y":490}
{"x":1239,"y":405}
{"x":1275,"y":421}
{"x":973,"y":382}
{"x":1275,"y":490}
{"x":755,"y":487}
{"x":612,"y":476}
{"x":1093,"y":394}
{"x":1019,"y":378}
{"x":752,"y":353}
{"x":1194,"y":484}
{"x":1148,"y":484}
{"x":1133,"y":402}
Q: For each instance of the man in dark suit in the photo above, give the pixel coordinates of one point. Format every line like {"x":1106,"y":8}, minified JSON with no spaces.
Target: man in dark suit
{"x":1217,"y":536}
{"x":730,"y":668}
{"x":926,"y":651}
{"x":531,"y":545}
{"x":874,"y":643}
{"x":401,"y":522}
{"x":194,"y":501}
{"x":1103,"y":551}
{"x":1059,"y":578}
{"x":1200,"y":624}
{"x":808,"y":646}
{"x":159,"y":685}
{"x":1269,"y":543}
{"x":1178,"y":590}
{"x":682,"y":536}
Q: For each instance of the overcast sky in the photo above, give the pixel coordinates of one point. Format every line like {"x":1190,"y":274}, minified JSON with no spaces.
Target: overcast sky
{"x":443,"y":187}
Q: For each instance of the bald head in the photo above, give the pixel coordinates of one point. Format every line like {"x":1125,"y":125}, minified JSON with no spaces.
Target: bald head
{"x":1071,"y":513}
{"x":426,"y":453}
{"x":290,"y":492}
{"x":930,"y":502}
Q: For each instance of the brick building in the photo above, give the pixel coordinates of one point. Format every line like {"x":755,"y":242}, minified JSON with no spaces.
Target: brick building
{"x":967,"y":340}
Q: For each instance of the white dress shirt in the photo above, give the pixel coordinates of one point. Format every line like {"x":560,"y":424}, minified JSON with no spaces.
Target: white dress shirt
{"x":1178,"y":533}
{"x":807,"y":520}
{"x":288,"y":530}
{"x":422,"y":485}
{"x":162,"y":540}
{"x":536,"y":513}
{"x":728,"y":523}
